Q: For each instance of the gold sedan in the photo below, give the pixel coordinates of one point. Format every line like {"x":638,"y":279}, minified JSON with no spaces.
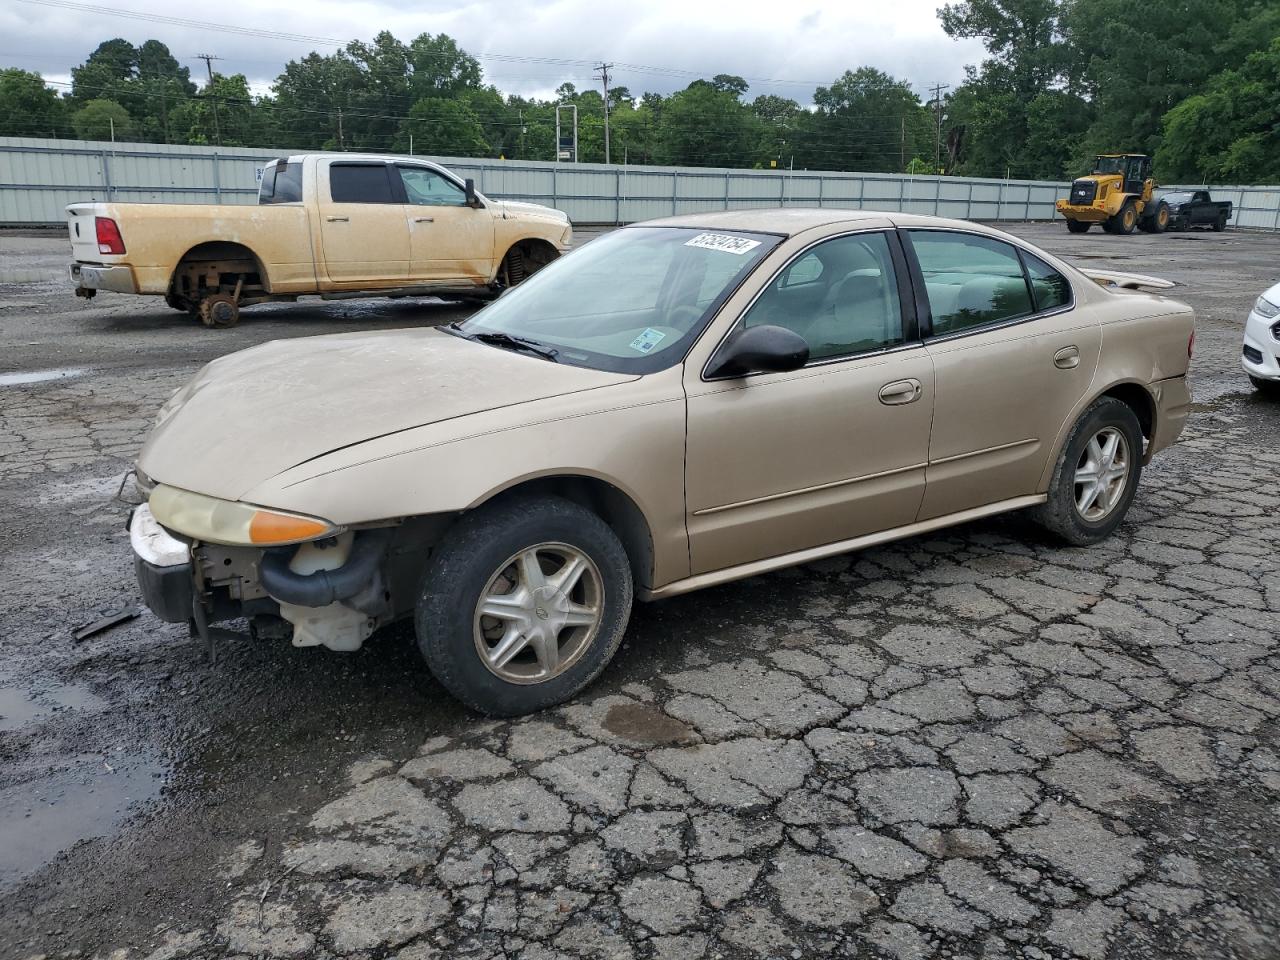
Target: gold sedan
{"x":676,"y":404}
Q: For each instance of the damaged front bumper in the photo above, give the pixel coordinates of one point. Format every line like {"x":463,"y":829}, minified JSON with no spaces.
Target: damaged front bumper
{"x":163,"y":566}
{"x":332,"y":592}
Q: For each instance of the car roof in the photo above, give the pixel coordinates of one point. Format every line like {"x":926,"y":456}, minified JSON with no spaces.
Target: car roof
{"x":790,"y":221}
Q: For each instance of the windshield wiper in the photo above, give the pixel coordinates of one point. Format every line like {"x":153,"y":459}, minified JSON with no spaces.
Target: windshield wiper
{"x":508,"y":342}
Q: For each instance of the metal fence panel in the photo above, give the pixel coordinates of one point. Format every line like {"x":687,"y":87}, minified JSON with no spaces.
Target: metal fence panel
{"x":38,"y":178}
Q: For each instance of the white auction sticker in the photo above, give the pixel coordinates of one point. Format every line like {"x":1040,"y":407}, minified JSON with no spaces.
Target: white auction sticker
{"x":647,"y":340}
{"x":723,"y":242}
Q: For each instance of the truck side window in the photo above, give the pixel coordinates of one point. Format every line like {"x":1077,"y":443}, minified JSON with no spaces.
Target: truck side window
{"x":360,"y":183}
{"x":288,"y":187}
{"x":427,"y":188}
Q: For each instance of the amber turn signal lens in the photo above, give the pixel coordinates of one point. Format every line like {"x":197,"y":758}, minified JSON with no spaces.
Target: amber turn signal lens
{"x":266,"y":527}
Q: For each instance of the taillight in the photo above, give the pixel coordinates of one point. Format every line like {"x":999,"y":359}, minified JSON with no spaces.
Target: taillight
{"x":1191,"y":344}
{"x":109,"y":239}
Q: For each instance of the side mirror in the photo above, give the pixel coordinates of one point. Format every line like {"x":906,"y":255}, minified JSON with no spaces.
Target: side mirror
{"x":470,"y":186}
{"x":763,"y":349}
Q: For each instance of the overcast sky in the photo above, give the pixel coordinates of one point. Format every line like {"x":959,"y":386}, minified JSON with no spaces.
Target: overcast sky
{"x":660,"y":45}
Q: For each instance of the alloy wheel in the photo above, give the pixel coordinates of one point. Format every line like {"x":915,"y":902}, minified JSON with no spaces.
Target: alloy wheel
{"x":1102,"y":474}
{"x":539,"y":612}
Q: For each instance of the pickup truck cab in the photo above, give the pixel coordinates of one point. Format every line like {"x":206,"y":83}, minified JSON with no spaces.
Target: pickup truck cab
{"x":1194,"y":208}
{"x":332,"y":225}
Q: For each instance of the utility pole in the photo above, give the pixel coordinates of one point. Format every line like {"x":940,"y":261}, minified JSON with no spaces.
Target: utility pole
{"x":937,"y":89}
{"x":604,"y":78}
{"x":342,"y":144}
{"x":208,"y":59}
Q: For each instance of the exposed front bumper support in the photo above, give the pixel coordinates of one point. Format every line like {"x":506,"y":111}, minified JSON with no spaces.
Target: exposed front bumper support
{"x":162,"y":564}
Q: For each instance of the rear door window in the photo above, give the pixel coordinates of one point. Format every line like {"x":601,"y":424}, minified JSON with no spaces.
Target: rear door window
{"x":972,"y":281}
{"x":361,"y":183}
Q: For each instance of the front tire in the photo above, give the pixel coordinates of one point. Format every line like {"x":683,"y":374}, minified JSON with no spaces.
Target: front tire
{"x":1096,"y":475}
{"x":523,"y":604}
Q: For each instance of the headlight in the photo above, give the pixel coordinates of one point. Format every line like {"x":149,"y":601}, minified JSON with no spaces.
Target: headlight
{"x":234,"y":524}
{"x":1265,"y":308}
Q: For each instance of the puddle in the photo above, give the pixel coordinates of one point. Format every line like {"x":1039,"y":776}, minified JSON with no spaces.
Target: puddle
{"x":39,"y":376}
{"x":43,"y":818}
{"x":645,"y":724}
{"x":19,"y":707}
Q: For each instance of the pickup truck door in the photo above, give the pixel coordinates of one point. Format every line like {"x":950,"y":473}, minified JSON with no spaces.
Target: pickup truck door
{"x":364,"y":236}
{"x":448,"y":240}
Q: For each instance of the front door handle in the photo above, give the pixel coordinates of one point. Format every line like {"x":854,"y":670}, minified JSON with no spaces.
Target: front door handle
{"x":424,"y":219}
{"x":337,"y":219}
{"x":1067,"y":358}
{"x":901,"y":391}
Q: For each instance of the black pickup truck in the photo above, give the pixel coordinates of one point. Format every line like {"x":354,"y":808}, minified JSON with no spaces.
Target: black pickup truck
{"x":1193,"y":208}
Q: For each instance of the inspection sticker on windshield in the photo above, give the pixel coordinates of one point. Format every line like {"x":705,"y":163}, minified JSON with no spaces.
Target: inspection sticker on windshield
{"x":647,"y":340}
{"x":723,"y":242}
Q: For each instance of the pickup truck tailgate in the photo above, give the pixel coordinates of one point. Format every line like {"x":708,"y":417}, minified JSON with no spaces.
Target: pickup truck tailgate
{"x":84,"y":235}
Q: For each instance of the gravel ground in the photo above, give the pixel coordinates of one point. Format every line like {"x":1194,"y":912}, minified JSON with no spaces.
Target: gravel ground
{"x":976,"y":744}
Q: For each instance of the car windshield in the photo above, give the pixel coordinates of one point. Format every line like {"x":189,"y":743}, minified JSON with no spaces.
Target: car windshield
{"x":630,"y":301}
{"x":1109,"y":165}
{"x":1176,"y":197}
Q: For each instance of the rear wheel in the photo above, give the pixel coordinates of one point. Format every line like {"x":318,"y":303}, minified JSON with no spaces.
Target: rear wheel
{"x":1078,"y":226}
{"x":523,"y":604}
{"x":1220,"y":224}
{"x":1160,"y":222}
{"x":219,"y":310}
{"x":1096,"y":476}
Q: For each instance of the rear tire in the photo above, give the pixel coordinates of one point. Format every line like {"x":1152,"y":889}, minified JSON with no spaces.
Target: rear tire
{"x":507,"y":558}
{"x":1096,"y":475}
{"x":1078,"y":226}
{"x":1160,"y":222}
{"x":1220,"y":224}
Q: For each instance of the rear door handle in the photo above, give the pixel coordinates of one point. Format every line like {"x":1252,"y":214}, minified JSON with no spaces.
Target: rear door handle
{"x":337,"y":219}
{"x":424,"y":219}
{"x":900,"y":391}
{"x":1067,"y":358}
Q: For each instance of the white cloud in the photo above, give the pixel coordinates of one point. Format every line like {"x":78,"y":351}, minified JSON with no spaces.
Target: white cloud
{"x":784,"y":49}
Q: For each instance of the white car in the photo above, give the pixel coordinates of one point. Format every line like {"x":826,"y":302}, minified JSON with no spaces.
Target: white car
{"x":1261,"y":355}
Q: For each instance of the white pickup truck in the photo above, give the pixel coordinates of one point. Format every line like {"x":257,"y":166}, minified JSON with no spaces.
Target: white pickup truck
{"x":332,"y":225}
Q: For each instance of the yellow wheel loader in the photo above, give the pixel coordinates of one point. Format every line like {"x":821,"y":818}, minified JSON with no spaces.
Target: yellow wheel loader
{"x":1119,"y":194}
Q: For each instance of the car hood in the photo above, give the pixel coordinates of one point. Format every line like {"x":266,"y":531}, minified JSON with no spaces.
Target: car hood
{"x":251,"y":415}
{"x":515,"y":210}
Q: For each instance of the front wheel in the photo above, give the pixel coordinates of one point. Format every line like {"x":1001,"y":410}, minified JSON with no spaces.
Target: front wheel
{"x":1096,"y":475}
{"x":523,"y":604}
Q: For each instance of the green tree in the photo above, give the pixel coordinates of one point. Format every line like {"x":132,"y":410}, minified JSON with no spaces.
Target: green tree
{"x":1230,"y":132}
{"x":866,"y":120}
{"x":443,"y":127}
{"x":102,"y":120}
{"x":27,"y":107}
{"x":708,"y":125}
{"x":225,"y":109}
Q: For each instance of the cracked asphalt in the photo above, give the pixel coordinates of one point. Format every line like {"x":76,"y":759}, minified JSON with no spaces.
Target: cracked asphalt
{"x":973,"y":744}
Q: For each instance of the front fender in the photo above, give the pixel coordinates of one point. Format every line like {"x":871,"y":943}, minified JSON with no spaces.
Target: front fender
{"x":636,"y":446}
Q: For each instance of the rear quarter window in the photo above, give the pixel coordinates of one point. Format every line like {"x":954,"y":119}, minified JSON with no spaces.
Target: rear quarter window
{"x":281,"y":183}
